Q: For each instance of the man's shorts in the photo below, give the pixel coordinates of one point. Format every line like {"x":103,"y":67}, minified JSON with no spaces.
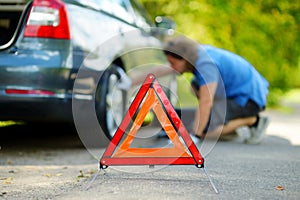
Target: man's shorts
{"x":224,"y":111}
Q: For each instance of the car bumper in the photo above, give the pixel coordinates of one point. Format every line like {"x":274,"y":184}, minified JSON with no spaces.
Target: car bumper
{"x":37,"y":109}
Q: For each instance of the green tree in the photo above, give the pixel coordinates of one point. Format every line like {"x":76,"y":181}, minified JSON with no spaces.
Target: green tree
{"x":265,"y":32}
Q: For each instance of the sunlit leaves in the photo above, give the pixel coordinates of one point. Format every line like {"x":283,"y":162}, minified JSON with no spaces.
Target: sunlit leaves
{"x":266,"y":32}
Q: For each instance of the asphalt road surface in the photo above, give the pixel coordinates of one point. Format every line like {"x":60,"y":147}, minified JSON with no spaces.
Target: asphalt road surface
{"x":51,"y":163}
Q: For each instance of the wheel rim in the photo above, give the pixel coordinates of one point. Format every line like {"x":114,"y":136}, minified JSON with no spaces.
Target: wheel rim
{"x":114,"y":102}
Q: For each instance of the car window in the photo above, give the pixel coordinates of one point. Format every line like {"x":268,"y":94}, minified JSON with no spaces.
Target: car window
{"x":142,"y":18}
{"x":117,"y":8}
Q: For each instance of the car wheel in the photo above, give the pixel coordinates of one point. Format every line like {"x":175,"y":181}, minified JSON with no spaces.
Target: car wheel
{"x":110,"y":102}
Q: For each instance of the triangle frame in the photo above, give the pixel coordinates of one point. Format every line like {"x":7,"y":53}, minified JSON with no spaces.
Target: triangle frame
{"x":125,"y":150}
{"x":151,"y":96}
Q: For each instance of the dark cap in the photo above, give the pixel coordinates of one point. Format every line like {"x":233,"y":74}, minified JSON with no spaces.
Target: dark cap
{"x":184,"y":47}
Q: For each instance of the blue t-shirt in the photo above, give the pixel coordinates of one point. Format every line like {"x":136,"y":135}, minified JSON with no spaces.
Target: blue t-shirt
{"x":236,"y":78}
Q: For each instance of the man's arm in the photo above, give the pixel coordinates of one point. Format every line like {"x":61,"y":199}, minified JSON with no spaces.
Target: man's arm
{"x":206,"y":95}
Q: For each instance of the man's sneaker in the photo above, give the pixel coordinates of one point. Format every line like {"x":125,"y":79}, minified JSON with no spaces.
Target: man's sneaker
{"x":162,"y":135}
{"x":258,"y":132}
{"x":195,"y":138}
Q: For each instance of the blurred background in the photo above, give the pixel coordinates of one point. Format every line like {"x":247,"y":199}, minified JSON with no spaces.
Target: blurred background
{"x":265,"y":32}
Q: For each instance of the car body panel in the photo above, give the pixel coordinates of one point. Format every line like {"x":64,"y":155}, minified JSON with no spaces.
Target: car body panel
{"x":46,"y":68}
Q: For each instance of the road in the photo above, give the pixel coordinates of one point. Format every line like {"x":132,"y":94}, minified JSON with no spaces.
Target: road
{"x":51,"y":163}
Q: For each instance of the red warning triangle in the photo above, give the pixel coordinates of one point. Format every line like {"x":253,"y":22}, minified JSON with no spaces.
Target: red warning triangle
{"x":151,"y":97}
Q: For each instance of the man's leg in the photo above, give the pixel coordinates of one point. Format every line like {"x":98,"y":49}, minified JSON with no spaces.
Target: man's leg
{"x":236,"y":117}
{"x":231,"y":126}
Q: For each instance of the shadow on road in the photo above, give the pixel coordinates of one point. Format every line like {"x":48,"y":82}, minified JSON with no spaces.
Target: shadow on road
{"x":39,"y":136}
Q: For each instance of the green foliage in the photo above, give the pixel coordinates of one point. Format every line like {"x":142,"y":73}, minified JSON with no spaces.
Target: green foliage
{"x":9,"y":123}
{"x":265,"y":32}
{"x":186,"y":98}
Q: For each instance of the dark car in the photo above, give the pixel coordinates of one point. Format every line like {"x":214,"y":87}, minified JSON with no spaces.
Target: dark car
{"x":44,"y":43}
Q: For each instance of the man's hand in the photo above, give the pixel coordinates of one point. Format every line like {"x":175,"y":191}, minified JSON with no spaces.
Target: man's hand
{"x":124,"y":82}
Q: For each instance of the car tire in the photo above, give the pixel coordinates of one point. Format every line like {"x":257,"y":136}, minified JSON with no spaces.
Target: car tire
{"x":110,"y":102}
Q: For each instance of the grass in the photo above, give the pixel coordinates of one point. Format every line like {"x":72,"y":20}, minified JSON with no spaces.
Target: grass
{"x":186,"y":99}
{"x":293,"y":96}
{"x":8,"y":123}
